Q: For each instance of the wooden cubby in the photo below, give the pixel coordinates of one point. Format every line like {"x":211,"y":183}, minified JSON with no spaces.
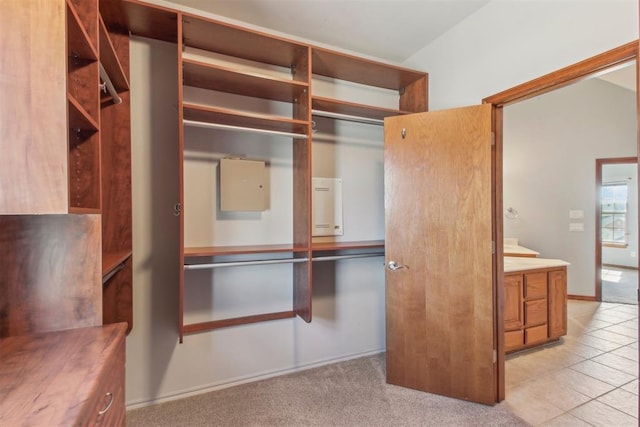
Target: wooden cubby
{"x":222,"y":41}
{"x":71,"y":167}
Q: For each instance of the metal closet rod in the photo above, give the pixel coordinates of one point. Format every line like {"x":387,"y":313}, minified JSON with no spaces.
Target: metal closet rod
{"x":278,"y":261}
{"x":244,"y":263}
{"x":108,"y":85}
{"x":339,"y":257}
{"x":207,"y":125}
{"x":347,"y":117}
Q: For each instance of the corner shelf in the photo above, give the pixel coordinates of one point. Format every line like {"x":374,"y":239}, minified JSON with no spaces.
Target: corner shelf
{"x":79,"y":42}
{"x":109,"y":60}
{"x":79,"y":118}
{"x":352,"y":109}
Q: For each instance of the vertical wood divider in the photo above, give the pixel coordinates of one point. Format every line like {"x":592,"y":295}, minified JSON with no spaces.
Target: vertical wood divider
{"x":414,"y":97}
{"x":302,"y":286}
{"x":181,"y":177}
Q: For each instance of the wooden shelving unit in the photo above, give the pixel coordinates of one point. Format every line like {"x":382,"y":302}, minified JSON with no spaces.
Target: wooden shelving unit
{"x":219,"y":40}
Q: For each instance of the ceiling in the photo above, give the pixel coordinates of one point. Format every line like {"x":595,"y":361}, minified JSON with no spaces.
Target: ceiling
{"x":391,"y":30}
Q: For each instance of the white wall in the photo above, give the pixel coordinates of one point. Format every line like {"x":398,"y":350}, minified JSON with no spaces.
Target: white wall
{"x":509,"y":42}
{"x":628,"y":256}
{"x":551,"y":143}
{"x":348,"y":296}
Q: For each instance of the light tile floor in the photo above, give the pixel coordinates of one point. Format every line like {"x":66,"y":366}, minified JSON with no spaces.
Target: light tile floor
{"x":589,"y":378}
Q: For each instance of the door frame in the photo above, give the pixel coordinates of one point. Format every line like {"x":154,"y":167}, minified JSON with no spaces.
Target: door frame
{"x":546,"y":83}
{"x":599,"y":164}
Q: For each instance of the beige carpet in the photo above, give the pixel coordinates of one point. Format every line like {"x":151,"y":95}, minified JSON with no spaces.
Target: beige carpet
{"x":352,"y":393}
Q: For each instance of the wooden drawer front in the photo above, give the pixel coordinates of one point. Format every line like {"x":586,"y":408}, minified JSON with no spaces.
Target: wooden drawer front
{"x":110,"y":388}
{"x":513,"y":340}
{"x":535,"y":285}
{"x":535,"y":335}
{"x":535,"y":312}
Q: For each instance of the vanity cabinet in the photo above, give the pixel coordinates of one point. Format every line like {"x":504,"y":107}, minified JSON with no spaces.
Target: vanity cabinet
{"x":535,"y":309}
{"x":70,"y":377}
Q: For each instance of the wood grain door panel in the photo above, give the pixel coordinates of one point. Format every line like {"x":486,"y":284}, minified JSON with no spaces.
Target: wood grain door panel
{"x":438,"y":198}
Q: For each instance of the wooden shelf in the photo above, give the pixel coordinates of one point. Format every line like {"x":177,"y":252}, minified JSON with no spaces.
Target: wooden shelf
{"x":80,"y":44}
{"x":353,"y":109}
{"x":337,"y":246}
{"x":110,"y":261}
{"x":228,"y":39}
{"x":228,"y":117}
{"x":208,"y":251}
{"x":359,"y":70}
{"x":143,"y":19}
{"x":236,"y":321}
{"x":214,"y":77}
{"x":79,"y":118}
{"x":110,"y":62}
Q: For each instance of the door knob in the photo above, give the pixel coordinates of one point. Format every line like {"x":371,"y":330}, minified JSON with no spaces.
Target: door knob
{"x":393,"y":266}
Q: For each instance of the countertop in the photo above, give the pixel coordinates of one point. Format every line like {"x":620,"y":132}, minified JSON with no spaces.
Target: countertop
{"x":519,"y":250}
{"x":512,"y":264}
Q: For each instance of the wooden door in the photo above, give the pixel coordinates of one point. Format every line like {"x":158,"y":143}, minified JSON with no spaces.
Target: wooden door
{"x":441,"y":329}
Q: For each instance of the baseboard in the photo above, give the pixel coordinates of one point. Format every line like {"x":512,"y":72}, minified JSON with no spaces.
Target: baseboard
{"x":582,"y":297}
{"x":243,"y":380}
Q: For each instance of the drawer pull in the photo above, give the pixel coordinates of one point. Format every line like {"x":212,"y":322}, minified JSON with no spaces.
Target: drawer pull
{"x":109,"y":395}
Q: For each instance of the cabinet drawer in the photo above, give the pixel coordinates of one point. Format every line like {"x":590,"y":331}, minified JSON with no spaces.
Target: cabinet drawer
{"x":535,"y":312}
{"x":535,"y":335}
{"x":109,"y":393}
{"x":513,"y":340}
{"x":535,"y":285}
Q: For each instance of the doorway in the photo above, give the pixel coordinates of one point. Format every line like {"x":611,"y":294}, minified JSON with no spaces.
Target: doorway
{"x":539,"y":86}
{"x":617,"y":230}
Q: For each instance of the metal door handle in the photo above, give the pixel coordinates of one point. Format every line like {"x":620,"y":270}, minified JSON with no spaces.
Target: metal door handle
{"x":393,"y":266}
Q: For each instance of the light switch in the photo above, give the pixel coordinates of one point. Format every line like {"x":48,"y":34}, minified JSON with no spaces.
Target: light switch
{"x":576,"y":226}
{"x":576,"y":214}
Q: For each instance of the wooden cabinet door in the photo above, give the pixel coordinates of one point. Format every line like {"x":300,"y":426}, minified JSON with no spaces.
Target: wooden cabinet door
{"x":439,"y":284}
{"x":513,"y":302}
{"x":557,"y":303}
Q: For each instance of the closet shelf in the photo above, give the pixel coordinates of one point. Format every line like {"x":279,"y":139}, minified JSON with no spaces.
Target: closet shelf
{"x":76,"y":210}
{"x":112,"y":260}
{"x":79,"y":118}
{"x":110,"y":62}
{"x":360,"y":70}
{"x":236,"y":321}
{"x":214,"y":77}
{"x":337,"y":246}
{"x":237,"y":118}
{"x":79,"y":42}
{"x":228,"y":39}
{"x":346,"y":108}
{"x":208,"y":251}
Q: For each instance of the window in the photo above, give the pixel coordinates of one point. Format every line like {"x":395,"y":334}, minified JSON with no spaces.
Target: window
{"x":614,"y":213}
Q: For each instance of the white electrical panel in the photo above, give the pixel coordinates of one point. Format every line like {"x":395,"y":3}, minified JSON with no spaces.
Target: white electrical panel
{"x":242,"y":185}
{"x":327,"y":207}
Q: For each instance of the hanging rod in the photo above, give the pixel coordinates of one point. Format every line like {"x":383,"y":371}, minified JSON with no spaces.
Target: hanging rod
{"x":108,"y":85}
{"x":339,"y":257}
{"x":242,"y":129}
{"x":347,"y":117}
{"x":244,"y":263}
